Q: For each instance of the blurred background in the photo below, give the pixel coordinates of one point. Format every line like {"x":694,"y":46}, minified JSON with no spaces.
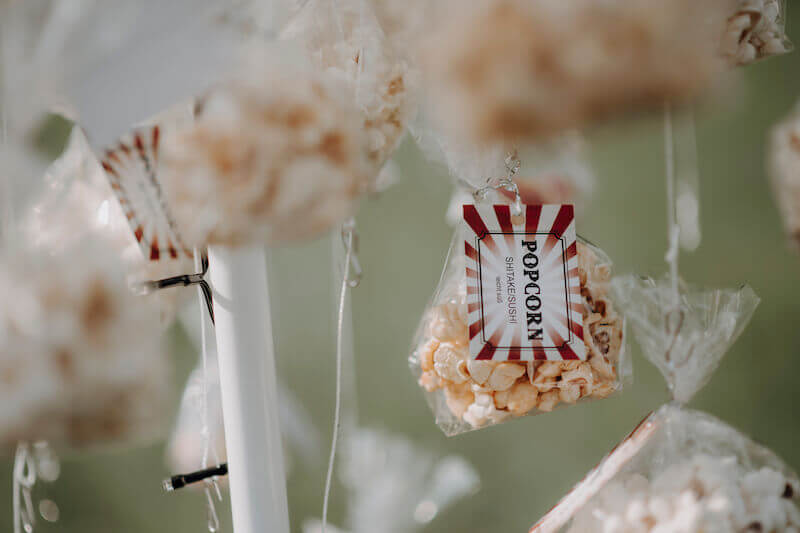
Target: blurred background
{"x":525,"y":465}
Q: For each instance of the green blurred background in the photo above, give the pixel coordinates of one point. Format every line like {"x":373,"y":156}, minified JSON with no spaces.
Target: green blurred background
{"x":527,"y":464}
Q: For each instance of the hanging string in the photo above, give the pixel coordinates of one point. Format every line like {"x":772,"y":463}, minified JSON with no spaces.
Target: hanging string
{"x":211,"y":489}
{"x":211,"y":485}
{"x":7,"y":185}
{"x":24,"y":479}
{"x":673,"y":230}
{"x":349,"y":234}
{"x":507,"y":182}
{"x":687,"y":181}
{"x":349,"y":418}
{"x":674,"y":317}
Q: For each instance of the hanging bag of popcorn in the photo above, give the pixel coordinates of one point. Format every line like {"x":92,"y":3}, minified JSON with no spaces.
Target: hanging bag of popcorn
{"x":681,"y":469}
{"x":521,"y":321}
{"x":755,"y":30}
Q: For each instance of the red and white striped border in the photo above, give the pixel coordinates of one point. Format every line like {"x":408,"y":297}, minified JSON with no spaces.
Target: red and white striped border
{"x":132,"y":170}
{"x":491,"y":234}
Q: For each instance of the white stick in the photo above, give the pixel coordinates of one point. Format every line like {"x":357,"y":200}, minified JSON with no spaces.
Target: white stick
{"x":248,"y":385}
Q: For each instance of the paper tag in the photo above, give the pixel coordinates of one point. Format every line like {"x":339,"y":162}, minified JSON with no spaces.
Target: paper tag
{"x":132,"y":171}
{"x":523,"y":289}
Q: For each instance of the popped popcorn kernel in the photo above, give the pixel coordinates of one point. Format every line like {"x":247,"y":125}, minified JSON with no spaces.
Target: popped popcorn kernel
{"x":479,"y":393}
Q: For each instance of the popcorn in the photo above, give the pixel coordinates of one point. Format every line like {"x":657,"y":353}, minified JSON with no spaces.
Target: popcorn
{"x":755,"y":31}
{"x":784,"y":162}
{"x":522,"y":398}
{"x":511,"y":70}
{"x":77,"y":201}
{"x":504,"y":376}
{"x":81,"y":362}
{"x":273,"y":158}
{"x":450,"y":363}
{"x":479,"y":371}
{"x":702,"y":493}
{"x":681,"y":470}
{"x":355,"y":52}
{"x":478,"y":393}
{"x":447,"y":321}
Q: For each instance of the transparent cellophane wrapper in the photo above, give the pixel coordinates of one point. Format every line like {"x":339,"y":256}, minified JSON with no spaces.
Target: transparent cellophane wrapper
{"x":77,"y":201}
{"x":553,"y":172}
{"x":396,"y":486}
{"x":684,"y":334}
{"x":465,"y":395}
{"x":755,"y":30}
{"x":681,"y":470}
{"x":81,"y":359}
{"x":345,"y":41}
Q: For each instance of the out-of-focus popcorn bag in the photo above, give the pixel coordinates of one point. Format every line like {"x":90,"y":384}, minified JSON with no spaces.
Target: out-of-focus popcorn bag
{"x":755,"y":30}
{"x":681,"y":469}
{"x":521,"y":321}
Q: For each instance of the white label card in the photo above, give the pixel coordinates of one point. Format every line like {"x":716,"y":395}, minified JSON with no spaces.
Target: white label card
{"x":523,"y":289}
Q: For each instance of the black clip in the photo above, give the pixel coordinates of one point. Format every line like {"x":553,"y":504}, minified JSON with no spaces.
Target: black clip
{"x":181,"y":480}
{"x":185,"y":280}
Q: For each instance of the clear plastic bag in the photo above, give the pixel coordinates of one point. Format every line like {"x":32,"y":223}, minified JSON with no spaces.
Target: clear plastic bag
{"x":682,"y":470}
{"x":685,"y":339}
{"x":756,"y":30}
{"x":394,"y":486}
{"x":556,"y":172}
{"x":784,"y":165}
{"x":276,"y":155}
{"x":522,"y":71}
{"x":81,"y":358}
{"x":77,"y":201}
{"x":344,"y":40}
{"x":466,"y":394}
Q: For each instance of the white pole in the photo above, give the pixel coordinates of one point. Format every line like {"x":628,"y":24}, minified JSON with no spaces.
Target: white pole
{"x":238,"y":278}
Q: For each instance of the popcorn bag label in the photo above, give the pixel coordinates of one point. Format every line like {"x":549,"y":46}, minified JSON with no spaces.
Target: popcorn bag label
{"x":523,"y":288}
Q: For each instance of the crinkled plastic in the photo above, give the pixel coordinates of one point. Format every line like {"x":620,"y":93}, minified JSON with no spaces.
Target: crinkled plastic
{"x":77,"y":201}
{"x":81,"y":358}
{"x":555,"y":172}
{"x":755,"y":30}
{"x":465,"y":394}
{"x":784,"y":166}
{"x":681,"y":471}
{"x":276,"y":155}
{"x":396,"y":487}
{"x":344,"y":40}
{"x":684,"y":339}
{"x":520,"y":71}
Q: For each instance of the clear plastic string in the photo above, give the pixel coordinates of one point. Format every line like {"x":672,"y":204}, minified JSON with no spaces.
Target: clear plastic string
{"x":349,"y":396}
{"x":507,"y":183}
{"x":674,"y":318}
{"x":687,"y":181}
{"x":211,"y":486}
{"x":211,"y":490}
{"x":348,"y":231}
{"x":24,"y":479}
{"x":673,"y":230}
{"x":7,"y":187}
